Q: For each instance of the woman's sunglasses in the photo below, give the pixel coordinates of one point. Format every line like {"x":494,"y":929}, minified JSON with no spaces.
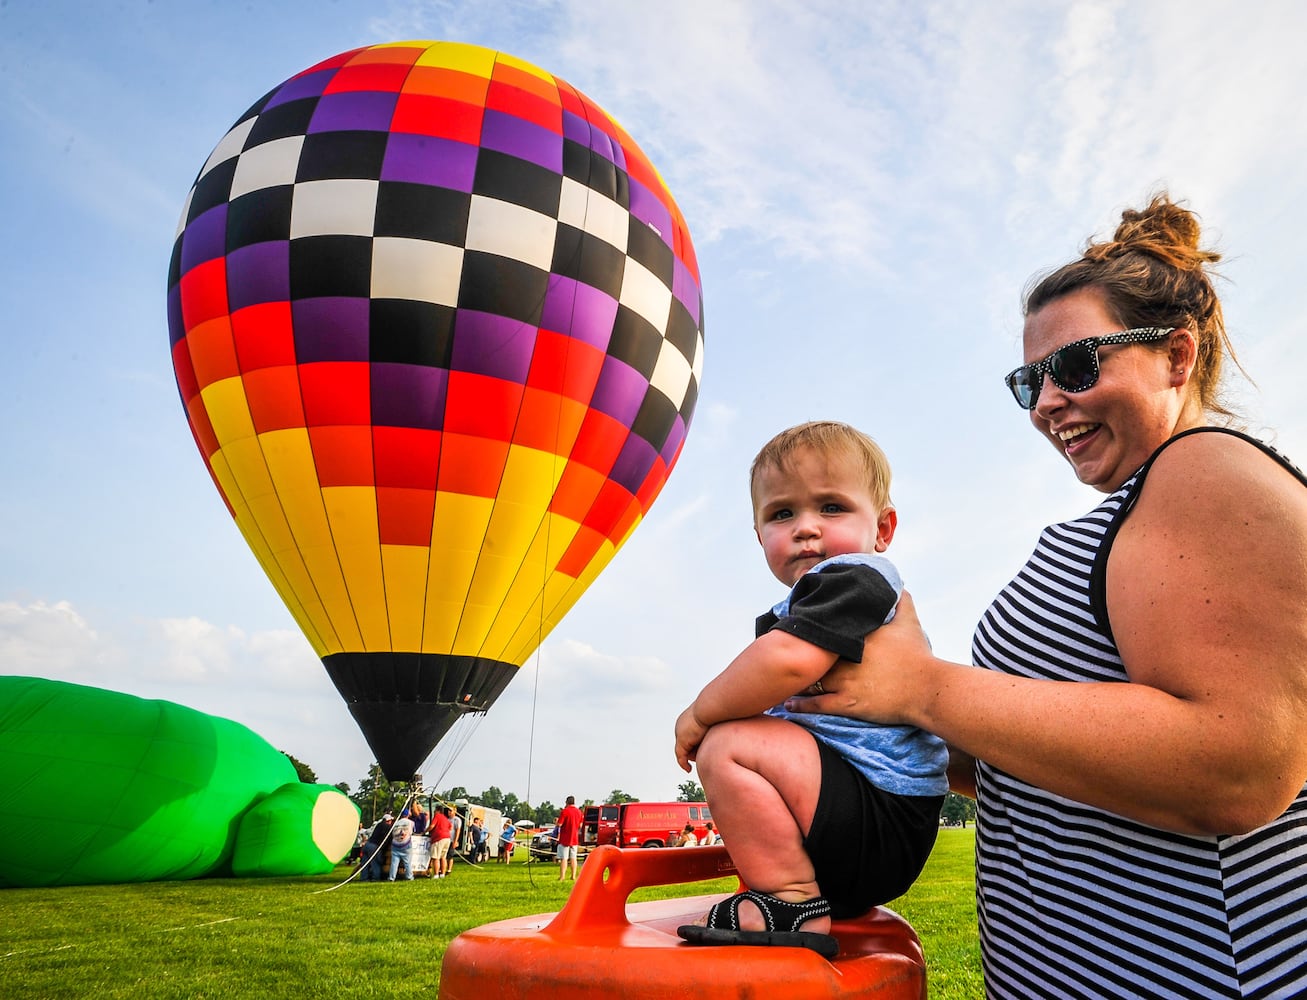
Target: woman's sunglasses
{"x":1073,"y":368}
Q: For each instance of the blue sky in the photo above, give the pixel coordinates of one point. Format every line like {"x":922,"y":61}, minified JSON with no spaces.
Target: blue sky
{"x":869,"y":187}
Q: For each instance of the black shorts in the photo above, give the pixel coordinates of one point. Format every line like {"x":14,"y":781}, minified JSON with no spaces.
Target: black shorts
{"x":867,"y":845}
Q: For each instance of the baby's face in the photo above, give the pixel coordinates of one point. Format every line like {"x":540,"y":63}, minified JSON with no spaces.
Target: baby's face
{"x":816,"y":507}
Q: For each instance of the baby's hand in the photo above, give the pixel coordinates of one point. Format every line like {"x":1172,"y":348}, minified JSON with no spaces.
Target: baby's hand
{"x":689,"y":734}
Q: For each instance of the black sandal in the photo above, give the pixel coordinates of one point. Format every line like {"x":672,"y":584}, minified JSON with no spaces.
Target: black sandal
{"x":783,"y":921}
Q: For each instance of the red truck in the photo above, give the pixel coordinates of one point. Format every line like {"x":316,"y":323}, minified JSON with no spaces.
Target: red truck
{"x":641,"y":824}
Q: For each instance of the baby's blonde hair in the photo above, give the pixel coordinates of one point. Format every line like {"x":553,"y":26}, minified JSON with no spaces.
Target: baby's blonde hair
{"x":828,"y":438}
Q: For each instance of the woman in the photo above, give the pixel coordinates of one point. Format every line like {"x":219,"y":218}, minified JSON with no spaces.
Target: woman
{"x":1138,"y":742}
{"x":507,"y":841}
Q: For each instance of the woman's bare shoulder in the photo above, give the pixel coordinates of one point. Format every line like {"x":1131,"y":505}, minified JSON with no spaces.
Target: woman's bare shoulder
{"x":1218,"y":473}
{"x":1213,"y":557}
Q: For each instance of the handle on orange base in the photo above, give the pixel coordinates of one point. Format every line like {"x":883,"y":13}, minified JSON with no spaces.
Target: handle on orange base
{"x":611,"y":874}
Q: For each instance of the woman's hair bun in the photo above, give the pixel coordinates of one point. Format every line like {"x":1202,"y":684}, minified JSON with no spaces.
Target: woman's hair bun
{"x":1165,"y":230}
{"x":1163,"y":221}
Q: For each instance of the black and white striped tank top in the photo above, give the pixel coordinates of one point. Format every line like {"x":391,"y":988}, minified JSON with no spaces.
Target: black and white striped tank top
{"x":1075,"y":902}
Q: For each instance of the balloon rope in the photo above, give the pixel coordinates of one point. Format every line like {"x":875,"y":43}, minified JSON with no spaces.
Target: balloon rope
{"x":545,"y":568}
{"x":531,"y":733}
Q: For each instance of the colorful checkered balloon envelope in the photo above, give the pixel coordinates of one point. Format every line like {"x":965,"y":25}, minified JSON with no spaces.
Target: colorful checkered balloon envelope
{"x":438,"y":330}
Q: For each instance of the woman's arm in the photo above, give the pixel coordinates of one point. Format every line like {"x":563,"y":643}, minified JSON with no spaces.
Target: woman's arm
{"x":1207,"y":594}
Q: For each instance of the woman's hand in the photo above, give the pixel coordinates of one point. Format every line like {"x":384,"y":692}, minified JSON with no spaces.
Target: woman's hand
{"x":881,"y":688}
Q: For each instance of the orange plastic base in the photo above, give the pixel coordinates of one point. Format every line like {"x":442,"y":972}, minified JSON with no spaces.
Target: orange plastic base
{"x":599,"y":946}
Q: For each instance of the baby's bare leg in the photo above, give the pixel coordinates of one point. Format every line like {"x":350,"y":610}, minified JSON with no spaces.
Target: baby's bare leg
{"x":762,"y":777}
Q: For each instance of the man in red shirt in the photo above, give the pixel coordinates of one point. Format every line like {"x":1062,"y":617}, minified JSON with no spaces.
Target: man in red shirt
{"x":441,"y":829}
{"x":569,"y":836}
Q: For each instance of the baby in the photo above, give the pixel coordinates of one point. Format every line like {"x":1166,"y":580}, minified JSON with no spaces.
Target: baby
{"x":825,"y":816}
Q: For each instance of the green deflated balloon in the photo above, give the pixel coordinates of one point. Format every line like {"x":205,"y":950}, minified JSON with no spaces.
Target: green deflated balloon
{"x":104,"y":787}
{"x":274,"y":833}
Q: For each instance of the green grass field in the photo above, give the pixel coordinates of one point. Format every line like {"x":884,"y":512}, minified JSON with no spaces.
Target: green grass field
{"x":223,"y":938}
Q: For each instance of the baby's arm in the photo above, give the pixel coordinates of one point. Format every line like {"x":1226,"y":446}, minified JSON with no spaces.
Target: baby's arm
{"x":830,"y":613}
{"x":770,"y":669}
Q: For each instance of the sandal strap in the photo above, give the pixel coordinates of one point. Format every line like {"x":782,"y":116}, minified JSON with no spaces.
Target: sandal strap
{"x":778,"y":914}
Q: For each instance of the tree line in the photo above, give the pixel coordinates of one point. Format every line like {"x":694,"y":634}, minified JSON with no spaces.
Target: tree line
{"x":377,"y":796}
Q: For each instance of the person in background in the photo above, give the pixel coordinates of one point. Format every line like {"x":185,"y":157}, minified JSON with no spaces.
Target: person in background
{"x":456,"y":840}
{"x":441,"y":837}
{"x":1134,"y":728}
{"x":688,"y":837}
{"x":356,"y":852}
{"x":551,"y":840}
{"x":479,"y":837}
{"x":401,"y":846}
{"x":791,"y":793}
{"x":507,"y":841}
{"x":711,"y":837}
{"x":419,"y":817}
{"x":374,"y":850}
{"x":569,"y":836}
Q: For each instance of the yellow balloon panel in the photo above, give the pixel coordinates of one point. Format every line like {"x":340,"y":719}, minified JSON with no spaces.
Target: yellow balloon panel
{"x":249,"y":469}
{"x":441,"y":624}
{"x":494,"y":575}
{"x":523,"y":605}
{"x":274,"y":530}
{"x":268,"y":534}
{"x":529,"y":479}
{"x":285,"y":570}
{"x":404,"y":568}
{"x":456,"y":535}
{"x":289,"y":458}
{"x":289,"y":577}
{"x":306,"y":515}
{"x":352,"y":514}
{"x":448,"y":579}
{"x":563,"y":592}
{"x":510,"y":532}
{"x":465,"y":58}
{"x":460,"y":523}
{"x":338,"y":622}
{"x":229,"y":413}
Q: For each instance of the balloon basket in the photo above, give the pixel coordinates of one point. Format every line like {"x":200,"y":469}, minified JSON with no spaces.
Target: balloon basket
{"x":601,"y":946}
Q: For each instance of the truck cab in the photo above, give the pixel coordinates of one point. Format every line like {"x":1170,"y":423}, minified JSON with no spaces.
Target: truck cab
{"x":641,"y":824}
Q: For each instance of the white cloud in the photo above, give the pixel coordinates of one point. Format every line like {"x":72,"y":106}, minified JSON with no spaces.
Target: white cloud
{"x":272,"y":683}
{"x":578,"y":668}
{"x":269,"y":680}
{"x":49,"y":640}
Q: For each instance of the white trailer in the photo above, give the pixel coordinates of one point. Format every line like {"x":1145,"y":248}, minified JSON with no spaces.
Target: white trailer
{"x":492,"y":820}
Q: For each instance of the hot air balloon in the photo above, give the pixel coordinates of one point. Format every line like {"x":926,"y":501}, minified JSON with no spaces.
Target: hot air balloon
{"x":437,"y":327}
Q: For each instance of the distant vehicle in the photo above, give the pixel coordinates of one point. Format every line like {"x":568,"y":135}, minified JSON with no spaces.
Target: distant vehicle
{"x":641,"y":824}
{"x":544,"y":843}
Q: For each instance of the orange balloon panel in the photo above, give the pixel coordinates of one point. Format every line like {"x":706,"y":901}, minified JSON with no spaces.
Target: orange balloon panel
{"x":437,"y":328}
